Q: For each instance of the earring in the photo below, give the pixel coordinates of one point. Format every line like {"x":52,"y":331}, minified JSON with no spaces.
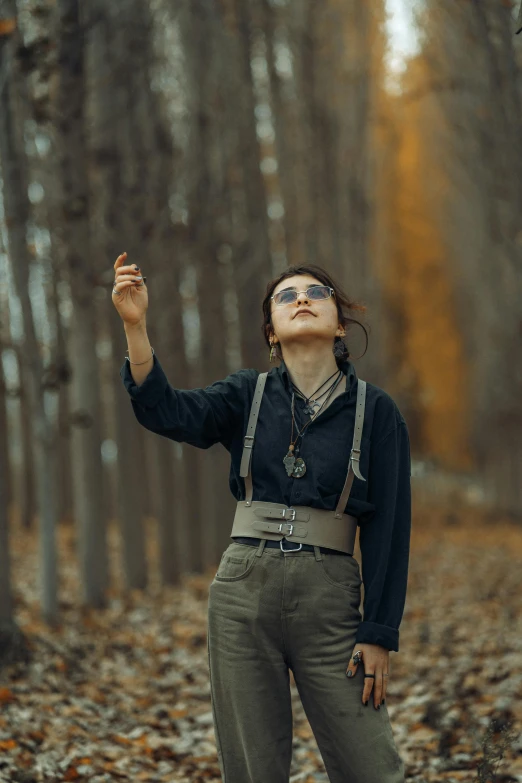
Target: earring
{"x":272,"y":352}
{"x":339,"y":347}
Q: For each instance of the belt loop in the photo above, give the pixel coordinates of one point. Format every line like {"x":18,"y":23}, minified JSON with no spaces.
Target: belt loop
{"x":318,"y":553}
{"x":261,"y":547}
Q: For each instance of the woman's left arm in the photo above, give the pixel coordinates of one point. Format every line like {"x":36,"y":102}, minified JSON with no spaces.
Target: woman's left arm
{"x":385,"y":540}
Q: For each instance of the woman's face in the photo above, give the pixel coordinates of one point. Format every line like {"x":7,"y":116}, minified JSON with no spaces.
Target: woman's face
{"x":289,"y":326}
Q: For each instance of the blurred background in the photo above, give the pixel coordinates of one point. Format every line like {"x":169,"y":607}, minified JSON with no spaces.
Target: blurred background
{"x":217,"y":143}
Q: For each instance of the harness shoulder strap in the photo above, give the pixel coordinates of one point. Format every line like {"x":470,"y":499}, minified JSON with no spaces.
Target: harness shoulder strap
{"x":353,"y":462}
{"x":248,"y":440}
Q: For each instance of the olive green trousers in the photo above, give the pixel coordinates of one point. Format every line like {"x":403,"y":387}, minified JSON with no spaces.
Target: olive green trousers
{"x":269,"y":612}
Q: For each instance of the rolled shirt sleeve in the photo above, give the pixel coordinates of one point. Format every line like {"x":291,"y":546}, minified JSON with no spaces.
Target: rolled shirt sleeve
{"x":385,"y":540}
{"x":200,"y":417}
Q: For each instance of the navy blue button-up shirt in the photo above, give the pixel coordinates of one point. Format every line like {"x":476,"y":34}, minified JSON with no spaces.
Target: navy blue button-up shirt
{"x":219,"y":413}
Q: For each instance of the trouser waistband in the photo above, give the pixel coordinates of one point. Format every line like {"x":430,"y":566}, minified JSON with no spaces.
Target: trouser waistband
{"x":287,"y":546}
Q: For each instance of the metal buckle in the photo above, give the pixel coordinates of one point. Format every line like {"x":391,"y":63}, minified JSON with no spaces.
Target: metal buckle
{"x":288,"y":550}
{"x":283,"y":513}
{"x":248,"y":445}
{"x":288,"y":532}
{"x":358,"y":452}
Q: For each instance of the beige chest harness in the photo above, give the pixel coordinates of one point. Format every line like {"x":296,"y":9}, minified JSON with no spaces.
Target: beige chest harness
{"x":302,"y":524}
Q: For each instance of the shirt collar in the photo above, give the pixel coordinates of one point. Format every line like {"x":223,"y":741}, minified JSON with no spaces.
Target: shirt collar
{"x":346,"y":366}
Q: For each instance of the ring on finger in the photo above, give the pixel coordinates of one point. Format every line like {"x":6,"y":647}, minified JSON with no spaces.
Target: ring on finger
{"x":115,"y":290}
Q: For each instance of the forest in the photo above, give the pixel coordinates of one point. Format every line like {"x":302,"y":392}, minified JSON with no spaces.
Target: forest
{"x":217,"y":143}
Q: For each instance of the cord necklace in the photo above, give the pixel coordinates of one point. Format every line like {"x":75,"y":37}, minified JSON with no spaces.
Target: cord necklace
{"x":295,"y":465}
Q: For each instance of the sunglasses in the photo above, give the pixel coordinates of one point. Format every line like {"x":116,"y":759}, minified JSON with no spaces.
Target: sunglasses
{"x":314,"y":293}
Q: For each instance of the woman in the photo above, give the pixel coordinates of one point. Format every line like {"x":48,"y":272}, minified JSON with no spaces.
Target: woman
{"x":288,"y":590}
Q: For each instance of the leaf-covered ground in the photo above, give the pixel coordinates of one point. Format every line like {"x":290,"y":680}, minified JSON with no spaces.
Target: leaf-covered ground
{"x":123,"y":693}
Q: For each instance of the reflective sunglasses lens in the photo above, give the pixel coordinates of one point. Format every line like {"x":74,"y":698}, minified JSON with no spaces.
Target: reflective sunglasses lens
{"x":318,"y":292}
{"x":285,"y":297}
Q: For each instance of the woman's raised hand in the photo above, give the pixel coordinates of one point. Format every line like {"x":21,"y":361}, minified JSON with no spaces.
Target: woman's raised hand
{"x":129,"y":292}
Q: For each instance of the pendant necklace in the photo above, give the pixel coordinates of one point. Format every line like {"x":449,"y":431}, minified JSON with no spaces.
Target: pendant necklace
{"x":295,"y":465}
{"x":311,"y":401}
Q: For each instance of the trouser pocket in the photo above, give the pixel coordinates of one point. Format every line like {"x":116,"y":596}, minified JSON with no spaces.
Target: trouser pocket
{"x":341,"y":571}
{"x":237,"y":561}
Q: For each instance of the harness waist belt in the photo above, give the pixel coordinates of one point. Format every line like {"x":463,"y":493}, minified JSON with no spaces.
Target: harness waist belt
{"x":302,"y":524}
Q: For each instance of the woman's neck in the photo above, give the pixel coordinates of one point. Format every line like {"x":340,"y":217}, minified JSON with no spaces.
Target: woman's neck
{"x":308,"y":370}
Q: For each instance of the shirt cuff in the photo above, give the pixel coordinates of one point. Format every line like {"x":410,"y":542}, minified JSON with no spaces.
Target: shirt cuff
{"x":153,"y":387}
{"x":373,"y":633}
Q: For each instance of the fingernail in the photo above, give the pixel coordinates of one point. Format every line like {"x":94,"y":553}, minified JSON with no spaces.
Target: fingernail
{"x":382,"y":702}
{"x":365,"y":703}
{"x":136,"y":267}
{"x":349,"y":673}
{"x":378,"y":706}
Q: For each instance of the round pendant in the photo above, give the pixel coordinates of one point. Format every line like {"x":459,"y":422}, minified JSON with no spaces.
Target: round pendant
{"x":299,"y":468}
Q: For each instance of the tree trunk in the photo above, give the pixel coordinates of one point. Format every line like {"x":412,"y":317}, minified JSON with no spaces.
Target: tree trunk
{"x":17,"y":212}
{"x":88,"y":476}
{"x":108,"y":42}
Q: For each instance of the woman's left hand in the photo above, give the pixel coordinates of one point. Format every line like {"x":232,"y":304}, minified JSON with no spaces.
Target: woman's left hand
{"x":375,"y":660}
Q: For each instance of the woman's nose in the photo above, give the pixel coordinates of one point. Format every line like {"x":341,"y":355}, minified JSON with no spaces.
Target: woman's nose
{"x":302,"y":297}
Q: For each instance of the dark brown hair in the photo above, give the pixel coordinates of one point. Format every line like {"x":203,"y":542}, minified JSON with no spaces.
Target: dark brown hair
{"x":344,"y":305}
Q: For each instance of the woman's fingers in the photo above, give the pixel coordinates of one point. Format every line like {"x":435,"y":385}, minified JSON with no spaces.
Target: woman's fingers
{"x":129,"y":269}
{"x":352,"y":666}
{"x":121,"y":285}
{"x":369,"y":686}
{"x":129,"y":282}
{"x":352,"y":669}
{"x":126,"y":276}
{"x":122,"y":278}
{"x":130,"y":306}
{"x":375,"y":665}
{"x":119,"y":261}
